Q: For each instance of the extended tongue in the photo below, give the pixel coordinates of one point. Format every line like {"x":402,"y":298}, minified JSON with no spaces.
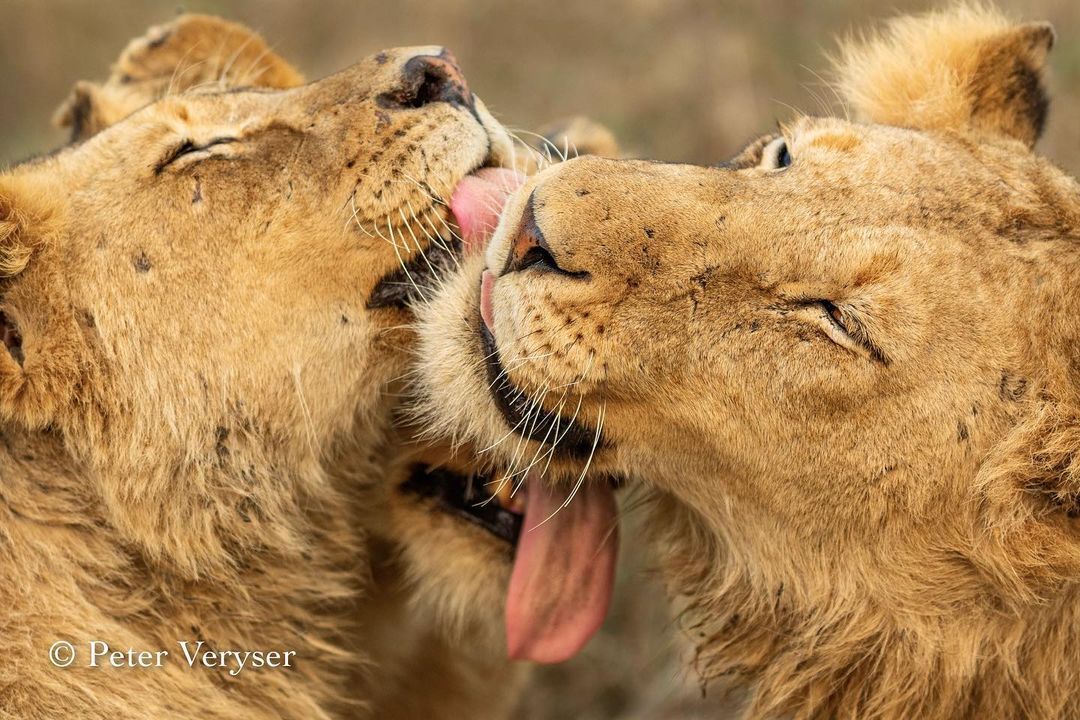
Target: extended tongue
{"x":564,"y":571}
{"x":477,"y":202}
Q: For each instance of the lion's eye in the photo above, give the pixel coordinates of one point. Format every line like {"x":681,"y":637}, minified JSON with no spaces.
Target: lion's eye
{"x":190,"y":147}
{"x":835,"y":315}
{"x":776,"y":155}
{"x":847,"y":332}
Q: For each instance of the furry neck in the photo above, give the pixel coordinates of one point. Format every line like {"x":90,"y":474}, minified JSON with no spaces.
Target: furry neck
{"x":67,"y":571}
{"x":221,"y":536}
{"x":859,"y":648}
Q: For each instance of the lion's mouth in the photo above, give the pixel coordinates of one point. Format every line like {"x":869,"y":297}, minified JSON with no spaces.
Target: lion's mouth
{"x":564,"y":540}
{"x":563,"y":552}
{"x":413,"y":280}
{"x":478,"y":201}
{"x":564,"y":564}
{"x":477,"y":498}
{"x":473,"y":213}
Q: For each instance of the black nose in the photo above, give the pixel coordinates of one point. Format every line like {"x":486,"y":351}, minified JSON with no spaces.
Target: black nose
{"x":427,"y":79}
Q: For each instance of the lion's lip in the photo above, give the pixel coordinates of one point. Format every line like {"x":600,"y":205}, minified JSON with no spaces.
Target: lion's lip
{"x":569,"y":437}
{"x":474,"y":209}
{"x":410,"y":282}
{"x":474,"y":497}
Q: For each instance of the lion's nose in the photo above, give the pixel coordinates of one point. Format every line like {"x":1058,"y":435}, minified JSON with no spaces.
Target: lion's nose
{"x":529,"y":248}
{"x":428,"y":78}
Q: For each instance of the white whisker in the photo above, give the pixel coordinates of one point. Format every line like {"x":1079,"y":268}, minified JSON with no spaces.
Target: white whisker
{"x":584,"y":470}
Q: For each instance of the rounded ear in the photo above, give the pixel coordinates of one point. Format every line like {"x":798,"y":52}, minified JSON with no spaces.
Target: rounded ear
{"x":191,"y":51}
{"x":967,"y":69}
{"x":42,"y":344}
{"x":568,"y":138}
{"x":195,"y":49}
{"x":1007,"y":88}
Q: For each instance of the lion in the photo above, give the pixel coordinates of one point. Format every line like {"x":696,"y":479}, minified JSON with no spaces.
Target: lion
{"x":433,"y":649}
{"x":203,"y":315}
{"x":419,"y":623}
{"x":843,"y":367}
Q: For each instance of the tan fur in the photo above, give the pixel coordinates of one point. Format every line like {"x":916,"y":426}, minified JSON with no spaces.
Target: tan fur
{"x":196,"y":444}
{"x":870,"y":522}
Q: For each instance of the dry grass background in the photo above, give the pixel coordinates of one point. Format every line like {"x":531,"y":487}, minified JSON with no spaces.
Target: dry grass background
{"x":675,"y":79}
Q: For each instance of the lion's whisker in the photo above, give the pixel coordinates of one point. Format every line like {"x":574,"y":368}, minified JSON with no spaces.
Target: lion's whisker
{"x":584,"y":470}
{"x":420,"y":249}
{"x":401,"y":261}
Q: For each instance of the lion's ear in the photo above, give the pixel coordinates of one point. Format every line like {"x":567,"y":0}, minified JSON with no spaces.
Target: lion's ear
{"x":86,"y":112}
{"x":41,"y":343}
{"x":191,"y":51}
{"x":579,"y":135}
{"x":964,"y":69}
{"x":568,"y":138}
{"x":196,"y":49}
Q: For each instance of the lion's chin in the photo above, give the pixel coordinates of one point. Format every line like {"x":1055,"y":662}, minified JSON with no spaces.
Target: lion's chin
{"x":554,"y":586}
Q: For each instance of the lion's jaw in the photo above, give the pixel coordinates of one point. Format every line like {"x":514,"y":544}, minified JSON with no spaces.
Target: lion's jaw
{"x":833,"y":487}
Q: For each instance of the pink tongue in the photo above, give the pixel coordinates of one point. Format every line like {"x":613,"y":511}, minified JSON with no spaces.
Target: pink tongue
{"x":564,"y":572}
{"x":477,"y":202}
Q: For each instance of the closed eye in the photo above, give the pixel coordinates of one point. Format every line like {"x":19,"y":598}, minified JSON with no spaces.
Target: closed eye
{"x":843,"y":328}
{"x":190,"y":147}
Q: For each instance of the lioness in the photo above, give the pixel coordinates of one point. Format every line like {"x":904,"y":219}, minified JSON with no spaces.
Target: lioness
{"x":847,"y":365}
{"x":203,"y":313}
{"x":425,"y":624}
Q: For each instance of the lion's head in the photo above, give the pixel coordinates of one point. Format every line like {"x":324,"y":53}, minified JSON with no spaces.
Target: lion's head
{"x":352,"y":218}
{"x":204,"y":314}
{"x":846,"y":367}
{"x":210,"y":292}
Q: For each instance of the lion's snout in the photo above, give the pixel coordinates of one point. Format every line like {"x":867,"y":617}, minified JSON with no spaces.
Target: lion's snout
{"x":530,"y":250}
{"x":426,"y":76}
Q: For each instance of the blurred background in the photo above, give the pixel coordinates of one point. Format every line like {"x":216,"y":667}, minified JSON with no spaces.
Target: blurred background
{"x":674,"y":79}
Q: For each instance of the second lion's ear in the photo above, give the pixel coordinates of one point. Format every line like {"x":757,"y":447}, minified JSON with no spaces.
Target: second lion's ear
{"x":194,"y":50}
{"x":579,"y":135}
{"x":191,"y":51}
{"x":565,"y":139}
{"x":84,"y":112}
{"x":1007,"y":88}
{"x":966,"y":69}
